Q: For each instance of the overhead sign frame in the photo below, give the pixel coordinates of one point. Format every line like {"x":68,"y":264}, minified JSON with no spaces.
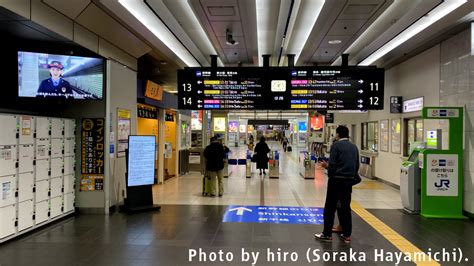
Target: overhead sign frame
{"x":281,"y":88}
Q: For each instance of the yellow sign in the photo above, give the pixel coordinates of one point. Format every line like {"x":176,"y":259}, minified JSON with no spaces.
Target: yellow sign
{"x":212,"y":92}
{"x":212,"y":82}
{"x":124,"y":113}
{"x":153,"y":91}
{"x":219,"y":124}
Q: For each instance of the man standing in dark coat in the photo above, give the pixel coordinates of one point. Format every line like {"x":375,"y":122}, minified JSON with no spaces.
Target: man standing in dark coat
{"x":215,"y":154}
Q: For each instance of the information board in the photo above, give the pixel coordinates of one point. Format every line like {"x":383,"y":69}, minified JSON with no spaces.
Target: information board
{"x":141,"y":160}
{"x":281,"y":88}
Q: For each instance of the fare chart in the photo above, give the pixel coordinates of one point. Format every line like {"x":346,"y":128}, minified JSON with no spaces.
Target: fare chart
{"x":317,"y":88}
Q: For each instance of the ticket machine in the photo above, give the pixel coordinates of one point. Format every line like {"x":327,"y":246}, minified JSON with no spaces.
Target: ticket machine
{"x":410,"y":183}
{"x":442,"y":165}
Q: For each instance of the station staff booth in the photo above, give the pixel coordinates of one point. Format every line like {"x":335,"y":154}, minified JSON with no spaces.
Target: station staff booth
{"x":37,"y":172}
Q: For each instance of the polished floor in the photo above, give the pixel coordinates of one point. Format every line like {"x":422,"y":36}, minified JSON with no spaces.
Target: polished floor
{"x":289,"y":190}
{"x":189,"y":222}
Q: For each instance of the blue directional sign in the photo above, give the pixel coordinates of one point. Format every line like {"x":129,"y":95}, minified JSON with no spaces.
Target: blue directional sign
{"x":273,"y":214}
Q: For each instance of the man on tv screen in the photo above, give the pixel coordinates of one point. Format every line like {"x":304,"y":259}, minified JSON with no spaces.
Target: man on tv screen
{"x":55,"y":86}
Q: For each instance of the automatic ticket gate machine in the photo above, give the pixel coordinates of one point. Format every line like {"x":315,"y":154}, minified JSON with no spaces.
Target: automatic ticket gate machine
{"x":410,"y":183}
{"x":274,"y":171}
{"x":442,"y":168}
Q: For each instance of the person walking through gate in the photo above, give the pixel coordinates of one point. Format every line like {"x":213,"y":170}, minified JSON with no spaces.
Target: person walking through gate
{"x":343,"y":166}
{"x":262,"y":150}
{"x":215,"y":154}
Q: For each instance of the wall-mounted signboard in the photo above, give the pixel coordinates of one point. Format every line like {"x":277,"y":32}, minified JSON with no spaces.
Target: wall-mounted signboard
{"x":413,"y":105}
{"x":317,"y":88}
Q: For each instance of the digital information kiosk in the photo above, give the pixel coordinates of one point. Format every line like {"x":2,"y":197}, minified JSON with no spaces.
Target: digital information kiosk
{"x":442,"y":169}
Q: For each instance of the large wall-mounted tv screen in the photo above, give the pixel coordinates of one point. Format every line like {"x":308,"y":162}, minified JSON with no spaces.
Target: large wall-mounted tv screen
{"x":43,"y":75}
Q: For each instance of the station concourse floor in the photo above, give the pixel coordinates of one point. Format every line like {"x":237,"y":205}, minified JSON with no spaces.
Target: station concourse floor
{"x":187,"y":220}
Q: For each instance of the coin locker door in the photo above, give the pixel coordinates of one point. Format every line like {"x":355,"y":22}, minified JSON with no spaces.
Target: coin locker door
{"x":7,"y":190}
{"x":8,"y":160}
{"x":69,"y":128}
{"x":56,"y":167}
{"x":26,"y":183}
{"x":42,"y":127}
{"x":68,"y":202}
{"x":56,"y":187}
{"x":41,"y":211}
{"x":25,"y":215}
{"x":27,"y":130}
{"x":8,"y":129}
{"x":25,"y":158}
{"x":42,"y":149}
{"x":56,"y":206}
{"x":42,"y":190}
{"x":7,"y":220}
{"x":69,"y":165}
{"x":57,"y":128}
{"x":69,"y":146}
{"x":42,"y":170}
{"x":69,"y":181}
{"x":57,"y":148}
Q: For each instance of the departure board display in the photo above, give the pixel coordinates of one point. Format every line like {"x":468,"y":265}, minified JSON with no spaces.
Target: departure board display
{"x":316,"y":88}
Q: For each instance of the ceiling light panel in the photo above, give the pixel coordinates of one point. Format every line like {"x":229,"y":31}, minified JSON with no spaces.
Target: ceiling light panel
{"x":424,"y":22}
{"x":265,"y":27}
{"x":143,"y":14}
{"x":307,"y":15}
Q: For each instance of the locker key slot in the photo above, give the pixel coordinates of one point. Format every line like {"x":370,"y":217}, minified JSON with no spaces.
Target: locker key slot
{"x":49,"y":193}
{"x":34,"y":135}
{"x":62,"y":209}
{"x":34,"y":189}
{"x":34,"y":162}
{"x":17,"y":135}
{"x":49,"y":172}
{"x":63,"y":133}
{"x":16,"y":194}
{"x":16,"y":223}
{"x":62,"y":152}
{"x":62,"y":170}
{"x":62,"y":190}
{"x":33,"y":217}
{"x":49,"y":214}
{"x":49,"y":153}
{"x":16,"y":165}
{"x":49,"y":132}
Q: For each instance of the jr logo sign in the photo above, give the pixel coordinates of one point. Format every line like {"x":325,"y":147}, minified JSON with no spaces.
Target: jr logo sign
{"x":443,"y":183}
{"x":442,"y":175}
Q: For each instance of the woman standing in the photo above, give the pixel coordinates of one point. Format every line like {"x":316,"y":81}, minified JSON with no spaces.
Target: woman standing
{"x":262,"y":150}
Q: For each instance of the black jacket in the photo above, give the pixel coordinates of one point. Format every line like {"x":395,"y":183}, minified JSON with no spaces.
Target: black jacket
{"x":261,"y":150}
{"x":343,"y":160}
{"x":47,"y":89}
{"x":215,"y":156}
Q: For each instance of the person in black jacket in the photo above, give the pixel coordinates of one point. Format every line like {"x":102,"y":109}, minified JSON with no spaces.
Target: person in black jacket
{"x":215,"y":154}
{"x":261,"y":151}
{"x":342,"y":167}
{"x":55,"y":86}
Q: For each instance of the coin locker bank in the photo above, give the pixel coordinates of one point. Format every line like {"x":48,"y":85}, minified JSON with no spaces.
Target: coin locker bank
{"x":37,"y":175}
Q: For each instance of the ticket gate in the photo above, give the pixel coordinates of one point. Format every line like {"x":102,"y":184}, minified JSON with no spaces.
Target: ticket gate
{"x":307,"y":165}
{"x":248,"y":165}
{"x":274,"y":165}
{"x":410,"y":183}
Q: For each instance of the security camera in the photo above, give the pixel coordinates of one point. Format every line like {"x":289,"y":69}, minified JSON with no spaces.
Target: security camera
{"x":229,"y":39}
